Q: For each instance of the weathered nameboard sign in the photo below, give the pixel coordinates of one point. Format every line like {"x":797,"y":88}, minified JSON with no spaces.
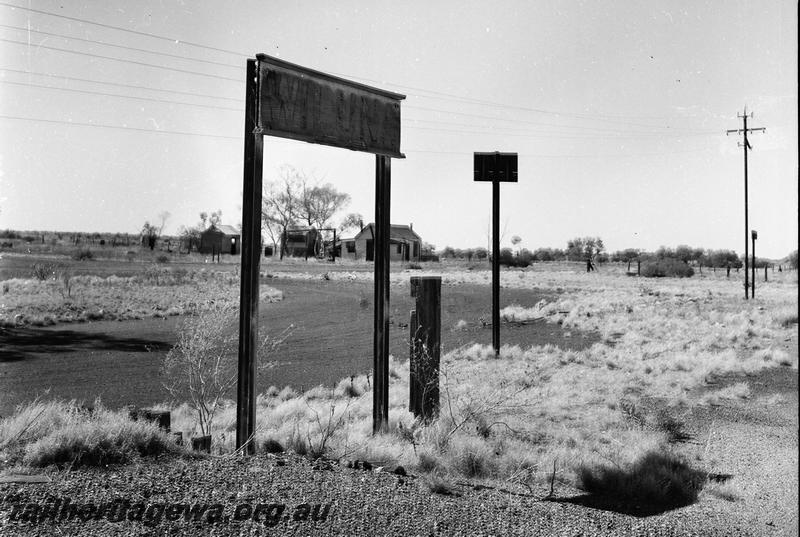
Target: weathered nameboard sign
{"x":499,"y":166}
{"x":303,"y":104}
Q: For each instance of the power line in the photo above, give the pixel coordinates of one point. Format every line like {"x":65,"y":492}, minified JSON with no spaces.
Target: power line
{"x":104,"y":126}
{"x":171,"y":69}
{"x":125,"y":47}
{"x":154,"y":36}
{"x":501,"y":132}
{"x":487,"y":129}
{"x":614,"y":133}
{"x":118,"y":84}
{"x":481,"y":116}
{"x":607,"y":117}
{"x":89,"y":92}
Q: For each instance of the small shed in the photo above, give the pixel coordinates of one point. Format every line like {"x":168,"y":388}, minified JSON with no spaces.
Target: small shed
{"x":404,"y":244}
{"x":302,"y":242}
{"x":220,"y":239}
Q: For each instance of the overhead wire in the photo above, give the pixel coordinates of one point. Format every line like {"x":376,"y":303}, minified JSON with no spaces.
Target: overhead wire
{"x":124,"y":47}
{"x":100,"y":93}
{"x":608,"y":118}
{"x":121,"y":85}
{"x":145,"y":64}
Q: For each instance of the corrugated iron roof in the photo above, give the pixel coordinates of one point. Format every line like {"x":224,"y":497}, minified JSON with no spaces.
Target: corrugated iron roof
{"x":224,"y":228}
{"x":396,"y":232}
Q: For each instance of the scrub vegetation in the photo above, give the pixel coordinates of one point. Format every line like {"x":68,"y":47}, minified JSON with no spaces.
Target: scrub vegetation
{"x":609,"y":418}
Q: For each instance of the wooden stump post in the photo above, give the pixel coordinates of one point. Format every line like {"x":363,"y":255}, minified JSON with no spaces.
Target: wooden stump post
{"x":425,"y":340}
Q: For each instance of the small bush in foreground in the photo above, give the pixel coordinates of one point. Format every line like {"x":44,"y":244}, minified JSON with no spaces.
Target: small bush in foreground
{"x":656,"y":478}
{"x":667,"y":267}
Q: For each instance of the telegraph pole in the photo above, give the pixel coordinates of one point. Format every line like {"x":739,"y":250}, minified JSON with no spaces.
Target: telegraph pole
{"x":745,"y":145}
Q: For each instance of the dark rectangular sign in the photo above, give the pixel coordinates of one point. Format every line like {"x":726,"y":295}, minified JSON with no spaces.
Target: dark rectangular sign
{"x":303,"y":104}
{"x":500,"y":166}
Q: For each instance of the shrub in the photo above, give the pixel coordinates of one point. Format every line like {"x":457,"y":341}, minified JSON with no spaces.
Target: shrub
{"x":663,"y":479}
{"x":271,"y":445}
{"x":43,"y":271}
{"x":82,"y":253}
{"x":667,"y":267}
{"x":202,"y":367}
{"x":163,"y":258}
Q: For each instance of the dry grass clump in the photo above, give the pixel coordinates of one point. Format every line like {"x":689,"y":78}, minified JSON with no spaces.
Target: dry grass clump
{"x":657,"y":478}
{"x":738,"y":391}
{"x":61,"y":433}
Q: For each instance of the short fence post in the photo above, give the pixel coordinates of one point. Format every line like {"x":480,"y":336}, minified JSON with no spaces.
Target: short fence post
{"x":765,"y":272}
{"x":425,"y":338}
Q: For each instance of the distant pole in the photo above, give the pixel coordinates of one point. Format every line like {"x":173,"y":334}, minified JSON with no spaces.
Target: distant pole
{"x":746,"y":145}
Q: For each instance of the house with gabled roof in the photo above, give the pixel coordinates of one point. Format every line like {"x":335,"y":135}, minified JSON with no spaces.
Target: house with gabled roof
{"x":220,"y":239}
{"x":404,"y":244}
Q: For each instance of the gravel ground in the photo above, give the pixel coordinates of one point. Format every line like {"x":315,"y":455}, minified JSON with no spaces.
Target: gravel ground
{"x":754,"y":441}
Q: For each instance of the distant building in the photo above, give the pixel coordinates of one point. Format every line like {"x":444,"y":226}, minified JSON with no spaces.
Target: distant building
{"x":220,"y":239}
{"x":404,"y":244}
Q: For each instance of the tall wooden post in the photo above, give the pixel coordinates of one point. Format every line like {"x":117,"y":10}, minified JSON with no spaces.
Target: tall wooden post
{"x":496,"y":266}
{"x":425,"y":339}
{"x":251,"y":256}
{"x":754,"y":235}
{"x":380,"y":392}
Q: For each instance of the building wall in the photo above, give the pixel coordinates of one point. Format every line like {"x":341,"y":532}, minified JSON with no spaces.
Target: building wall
{"x":218,"y":243}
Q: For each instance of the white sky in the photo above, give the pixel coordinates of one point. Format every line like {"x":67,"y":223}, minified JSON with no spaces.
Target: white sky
{"x":618,"y":111}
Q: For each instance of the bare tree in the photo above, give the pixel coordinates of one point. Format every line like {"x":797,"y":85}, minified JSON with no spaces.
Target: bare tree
{"x":318,"y":203}
{"x":279,"y":205}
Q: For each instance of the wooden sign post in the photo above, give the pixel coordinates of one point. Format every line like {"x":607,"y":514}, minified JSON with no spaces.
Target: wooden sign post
{"x":289,"y":101}
{"x":498,"y":168}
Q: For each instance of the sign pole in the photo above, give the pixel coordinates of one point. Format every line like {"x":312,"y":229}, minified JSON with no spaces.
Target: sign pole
{"x":496,"y":266}
{"x":251,"y":256}
{"x":380,"y":392}
{"x":498,"y":168}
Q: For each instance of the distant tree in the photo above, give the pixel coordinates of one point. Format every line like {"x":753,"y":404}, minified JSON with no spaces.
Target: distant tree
{"x":351,"y":221}
{"x":448,"y":252}
{"x":318,"y":203}
{"x":543,"y":254}
{"x":149,"y":235}
{"x":280,"y":205}
{"x":583,"y":248}
{"x":663,"y":252}
{"x":481,"y":253}
{"x":684,"y":253}
{"x":793,"y":260}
